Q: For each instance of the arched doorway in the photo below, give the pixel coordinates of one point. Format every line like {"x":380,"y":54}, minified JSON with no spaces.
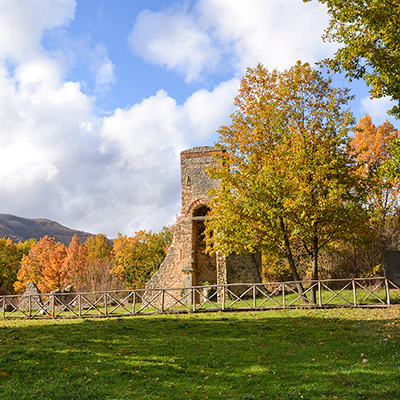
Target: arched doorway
{"x":205,"y":266}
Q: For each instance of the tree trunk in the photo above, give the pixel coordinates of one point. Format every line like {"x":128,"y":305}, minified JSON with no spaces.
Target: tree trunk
{"x":292,"y":265}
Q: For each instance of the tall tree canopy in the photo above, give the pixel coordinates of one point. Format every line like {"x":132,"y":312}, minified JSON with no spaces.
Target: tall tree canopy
{"x":99,"y":263}
{"x":139,"y":257}
{"x":43,"y":265}
{"x":372,"y":145}
{"x":369,"y":33}
{"x":10,"y":256}
{"x":75,"y":264}
{"x":285,"y":169}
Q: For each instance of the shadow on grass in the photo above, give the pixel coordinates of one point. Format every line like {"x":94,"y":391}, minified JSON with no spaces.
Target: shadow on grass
{"x":276,"y":355}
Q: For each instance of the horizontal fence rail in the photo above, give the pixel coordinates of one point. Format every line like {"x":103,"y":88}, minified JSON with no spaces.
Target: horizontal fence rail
{"x":356,"y":292}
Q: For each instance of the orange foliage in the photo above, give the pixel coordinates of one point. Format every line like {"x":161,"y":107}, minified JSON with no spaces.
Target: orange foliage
{"x":371,"y":147}
{"x":371,"y":143}
{"x":75,"y":263}
{"x":44,"y":265}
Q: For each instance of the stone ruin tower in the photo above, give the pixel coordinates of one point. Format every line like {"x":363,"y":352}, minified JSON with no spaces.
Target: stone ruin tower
{"x":186,"y":263}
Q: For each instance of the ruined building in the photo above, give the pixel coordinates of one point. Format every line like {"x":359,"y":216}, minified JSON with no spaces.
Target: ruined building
{"x":186,"y":263}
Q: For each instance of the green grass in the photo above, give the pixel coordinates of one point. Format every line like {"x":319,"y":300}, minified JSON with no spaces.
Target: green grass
{"x":287,"y":354}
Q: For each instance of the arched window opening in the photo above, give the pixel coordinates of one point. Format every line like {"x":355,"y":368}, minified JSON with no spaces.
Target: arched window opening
{"x":200,"y":211}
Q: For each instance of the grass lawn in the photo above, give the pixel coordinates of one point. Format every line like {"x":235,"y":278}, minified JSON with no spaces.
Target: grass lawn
{"x":286,"y":354}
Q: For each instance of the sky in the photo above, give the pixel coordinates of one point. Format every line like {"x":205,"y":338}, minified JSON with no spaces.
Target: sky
{"x":99,"y":97}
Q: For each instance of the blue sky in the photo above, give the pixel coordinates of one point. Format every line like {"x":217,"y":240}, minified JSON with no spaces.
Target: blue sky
{"x":98,"y":98}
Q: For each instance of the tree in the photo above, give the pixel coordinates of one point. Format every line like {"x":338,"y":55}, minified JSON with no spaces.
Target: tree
{"x":392,"y":166}
{"x":43,"y":265}
{"x":372,"y":147}
{"x":10,"y":257}
{"x":99,"y":263}
{"x":370,"y":35}
{"x":75,"y":263}
{"x":139,"y":257}
{"x":9,"y":264}
{"x":285,"y":171}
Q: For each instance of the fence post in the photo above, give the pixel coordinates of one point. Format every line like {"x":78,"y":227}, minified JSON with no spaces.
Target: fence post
{"x":162,"y":300}
{"x":53,"y":306}
{"x":387,"y":292}
{"x":223,"y":297}
{"x":4,"y":308}
{"x":319,"y":294}
{"x":354,"y":293}
{"x":80,"y":304}
{"x":254,"y":297}
{"x":133,"y":303}
{"x":283,"y":296}
{"x":29,"y":305}
{"x":105,"y":304}
{"x":193,"y":298}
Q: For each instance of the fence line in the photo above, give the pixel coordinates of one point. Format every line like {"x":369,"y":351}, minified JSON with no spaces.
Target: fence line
{"x":355,"y":292}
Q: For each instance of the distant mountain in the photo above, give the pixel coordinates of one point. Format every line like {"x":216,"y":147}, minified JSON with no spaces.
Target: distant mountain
{"x":17,"y":228}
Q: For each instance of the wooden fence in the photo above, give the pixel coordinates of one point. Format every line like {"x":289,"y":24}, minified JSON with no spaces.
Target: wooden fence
{"x":357,"y":292}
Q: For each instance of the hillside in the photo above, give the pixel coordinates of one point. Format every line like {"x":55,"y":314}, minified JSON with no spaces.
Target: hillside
{"x":17,"y":228}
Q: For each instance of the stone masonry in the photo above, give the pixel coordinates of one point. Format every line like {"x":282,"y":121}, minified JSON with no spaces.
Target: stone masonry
{"x":186,"y":263}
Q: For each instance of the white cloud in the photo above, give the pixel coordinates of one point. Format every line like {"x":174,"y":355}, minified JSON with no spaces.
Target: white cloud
{"x":275,"y":33}
{"x":77,"y":55}
{"x":102,"y":68}
{"x":217,"y":33}
{"x":43,"y":135}
{"x":377,"y":109}
{"x":105,"y":73}
{"x":144,"y":132}
{"x":206,"y":111}
{"x":22,"y":23}
{"x":173,"y":39}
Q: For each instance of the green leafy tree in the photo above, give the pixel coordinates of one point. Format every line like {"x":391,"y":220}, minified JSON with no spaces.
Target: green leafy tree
{"x":9,"y":264}
{"x":391,"y":166}
{"x":286,"y":173}
{"x":139,"y":257}
{"x":10,"y":258}
{"x":369,"y":33}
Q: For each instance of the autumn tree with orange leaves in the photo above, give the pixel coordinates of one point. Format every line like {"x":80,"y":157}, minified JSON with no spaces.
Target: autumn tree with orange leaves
{"x":75,"y":263}
{"x":372,"y":147}
{"x":44,"y":265}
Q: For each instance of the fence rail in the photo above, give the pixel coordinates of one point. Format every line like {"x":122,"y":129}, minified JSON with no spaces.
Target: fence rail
{"x":357,"y":292}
